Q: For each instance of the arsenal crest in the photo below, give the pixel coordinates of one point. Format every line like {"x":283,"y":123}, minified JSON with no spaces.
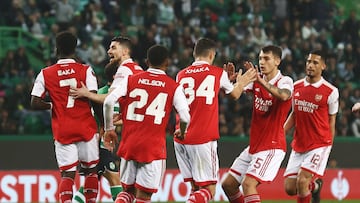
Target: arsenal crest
{"x":318,"y":97}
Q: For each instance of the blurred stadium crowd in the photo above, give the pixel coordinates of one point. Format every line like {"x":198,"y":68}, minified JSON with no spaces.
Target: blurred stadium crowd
{"x":240,"y":27}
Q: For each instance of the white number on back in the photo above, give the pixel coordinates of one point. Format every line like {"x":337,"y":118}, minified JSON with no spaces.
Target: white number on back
{"x":156,"y":108}
{"x":72,"y":83}
{"x":205,"y":89}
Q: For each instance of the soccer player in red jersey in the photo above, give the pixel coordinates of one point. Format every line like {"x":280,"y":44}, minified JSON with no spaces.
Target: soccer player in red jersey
{"x":197,"y":154}
{"x":261,"y":160}
{"x":108,"y":165}
{"x":315,"y":105}
{"x":72,"y":144}
{"x":119,"y":50}
{"x":146,"y":100}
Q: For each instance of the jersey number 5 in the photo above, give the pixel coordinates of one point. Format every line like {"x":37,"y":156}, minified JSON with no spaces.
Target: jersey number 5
{"x":205,"y":89}
{"x":156,"y":108}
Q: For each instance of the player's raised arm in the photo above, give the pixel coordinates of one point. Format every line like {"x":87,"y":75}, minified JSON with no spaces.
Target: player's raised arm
{"x":241,"y":81}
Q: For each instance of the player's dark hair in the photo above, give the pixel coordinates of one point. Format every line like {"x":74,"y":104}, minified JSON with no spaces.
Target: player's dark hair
{"x":275,"y":50}
{"x":157,"y":55}
{"x":204,"y":46}
{"x":110,"y":70}
{"x":124,"y":41}
{"x":320,"y":53}
{"x":66,"y":43}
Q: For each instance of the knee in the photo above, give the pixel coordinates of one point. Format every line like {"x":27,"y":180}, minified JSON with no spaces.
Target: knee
{"x":290,"y":190}
{"x":226,"y":186}
{"x":290,"y":186}
{"x":230,"y":186}
{"x":303,"y":182}
{"x":249,"y":183}
{"x":112,"y":178}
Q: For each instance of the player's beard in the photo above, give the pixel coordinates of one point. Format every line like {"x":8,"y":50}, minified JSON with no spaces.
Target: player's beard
{"x":310,"y":73}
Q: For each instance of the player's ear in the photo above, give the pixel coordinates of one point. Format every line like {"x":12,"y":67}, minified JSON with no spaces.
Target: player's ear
{"x":277,"y":61}
{"x":147,"y":62}
{"x":166,"y":62}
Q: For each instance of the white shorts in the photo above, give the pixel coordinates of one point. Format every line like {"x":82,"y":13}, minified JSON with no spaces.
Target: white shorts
{"x":87,"y":153}
{"x":198,"y":163}
{"x":313,"y":161}
{"x":263,"y":166}
{"x":144,"y":176}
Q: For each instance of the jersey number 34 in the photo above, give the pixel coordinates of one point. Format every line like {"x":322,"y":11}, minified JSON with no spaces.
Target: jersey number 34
{"x":205,"y":89}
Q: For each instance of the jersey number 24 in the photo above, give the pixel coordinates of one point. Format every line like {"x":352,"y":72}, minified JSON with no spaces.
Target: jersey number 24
{"x":156,"y":107}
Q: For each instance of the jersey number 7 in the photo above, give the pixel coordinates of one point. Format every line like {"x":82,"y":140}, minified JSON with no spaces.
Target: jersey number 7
{"x":69,"y":82}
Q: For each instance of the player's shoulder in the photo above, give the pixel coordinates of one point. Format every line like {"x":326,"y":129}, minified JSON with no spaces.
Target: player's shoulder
{"x":299,"y":82}
{"x":285,"y":78}
{"x":133,"y":66}
{"x":329,"y":85}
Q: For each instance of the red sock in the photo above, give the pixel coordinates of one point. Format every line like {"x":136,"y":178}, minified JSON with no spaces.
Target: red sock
{"x":139,"y":200}
{"x":91,"y":188}
{"x":200,"y":196}
{"x":305,"y":199}
{"x":124,"y":197}
{"x":237,"y":198}
{"x":66,"y":190}
{"x":255,"y":198}
{"x":312,"y":186}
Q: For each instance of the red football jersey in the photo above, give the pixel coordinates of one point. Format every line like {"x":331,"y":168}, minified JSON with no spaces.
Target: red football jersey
{"x":311,"y":105}
{"x":72,"y":119}
{"x":202,"y":83}
{"x":126,"y":68}
{"x":134,"y":67}
{"x":268,"y":118}
{"x":146,"y":111}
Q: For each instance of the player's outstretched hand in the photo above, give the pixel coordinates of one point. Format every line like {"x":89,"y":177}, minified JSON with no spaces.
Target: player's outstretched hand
{"x":230,"y":70}
{"x":110,"y":140}
{"x":83,"y":91}
{"x":259,"y":77}
{"x":248,"y":65}
{"x":178,"y":135}
{"x":356,"y":107}
{"x":249,"y":76}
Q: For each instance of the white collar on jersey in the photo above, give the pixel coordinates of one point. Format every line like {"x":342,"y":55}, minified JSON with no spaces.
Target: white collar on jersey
{"x":276,"y":78}
{"x":195,"y":63}
{"x":317,"y":84}
{"x":62,"y":61}
{"x":127,"y":61}
{"x":155,"y":71}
